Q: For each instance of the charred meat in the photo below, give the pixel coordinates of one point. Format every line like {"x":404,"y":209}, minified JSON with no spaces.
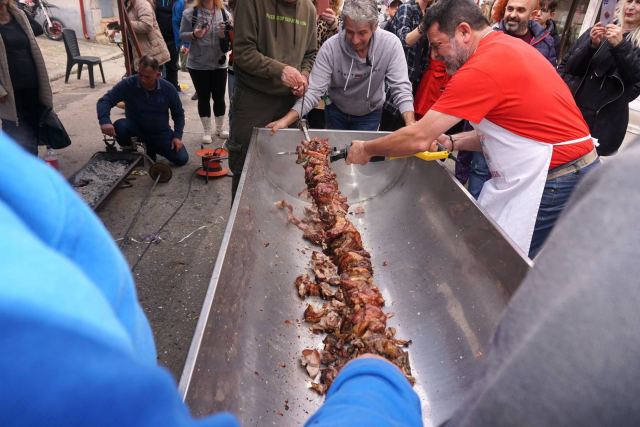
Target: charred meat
{"x":343,"y":275}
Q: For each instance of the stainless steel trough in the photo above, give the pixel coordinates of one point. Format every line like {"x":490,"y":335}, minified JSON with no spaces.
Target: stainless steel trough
{"x":445,"y":270}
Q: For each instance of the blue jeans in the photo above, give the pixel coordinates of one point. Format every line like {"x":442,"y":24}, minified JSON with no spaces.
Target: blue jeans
{"x":554,"y":198}
{"x":336,"y":119}
{"x":478,"y":173}
{"x":156,"y":143}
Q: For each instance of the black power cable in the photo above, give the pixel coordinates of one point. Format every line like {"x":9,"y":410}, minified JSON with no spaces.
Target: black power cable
{"x":175,"y":212}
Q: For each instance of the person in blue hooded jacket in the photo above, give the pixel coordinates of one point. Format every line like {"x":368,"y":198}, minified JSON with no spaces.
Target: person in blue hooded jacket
{"x":168,"y":15}
{"x":77,"y":349}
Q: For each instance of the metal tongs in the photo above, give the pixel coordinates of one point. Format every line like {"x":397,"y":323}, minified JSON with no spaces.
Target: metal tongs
{"x":441,"y":154}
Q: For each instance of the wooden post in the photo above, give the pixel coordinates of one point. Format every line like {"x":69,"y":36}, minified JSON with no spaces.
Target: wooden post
{"x":127,"y":35}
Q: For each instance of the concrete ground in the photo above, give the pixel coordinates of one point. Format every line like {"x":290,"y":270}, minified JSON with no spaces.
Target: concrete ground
{"x":174,"y":274}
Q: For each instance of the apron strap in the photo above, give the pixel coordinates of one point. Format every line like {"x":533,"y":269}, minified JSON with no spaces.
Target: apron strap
{"x":575,"y":141}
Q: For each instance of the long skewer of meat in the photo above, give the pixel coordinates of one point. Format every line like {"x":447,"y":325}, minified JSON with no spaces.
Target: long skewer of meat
{"x":353,"y":317}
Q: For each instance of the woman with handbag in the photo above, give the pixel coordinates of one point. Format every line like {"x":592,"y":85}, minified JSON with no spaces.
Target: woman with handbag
{"x":24,"y":83}
{"x":603,"y":72}
{"x":206,"y":26}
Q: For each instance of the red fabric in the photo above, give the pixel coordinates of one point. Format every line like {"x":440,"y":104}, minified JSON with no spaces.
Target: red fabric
{"x":432,"y":84}
{"x":527,"y":37}
{"x":510,"y":84}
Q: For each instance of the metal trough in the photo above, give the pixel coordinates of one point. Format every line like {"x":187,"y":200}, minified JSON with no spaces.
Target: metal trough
{"x":445,"y":270}
{"x":95,"y":182}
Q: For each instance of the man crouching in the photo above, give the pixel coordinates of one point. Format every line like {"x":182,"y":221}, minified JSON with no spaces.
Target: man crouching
{"x":148,"y":99}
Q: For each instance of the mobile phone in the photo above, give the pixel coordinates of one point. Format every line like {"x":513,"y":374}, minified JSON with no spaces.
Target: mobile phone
{"x":608,"y":12}
{"x":321,"y":6}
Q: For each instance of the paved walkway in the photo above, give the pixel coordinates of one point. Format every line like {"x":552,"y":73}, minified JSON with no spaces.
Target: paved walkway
{"x":55,"y":55}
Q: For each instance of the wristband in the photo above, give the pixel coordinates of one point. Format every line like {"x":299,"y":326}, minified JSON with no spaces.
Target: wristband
{"x":453,"y":144}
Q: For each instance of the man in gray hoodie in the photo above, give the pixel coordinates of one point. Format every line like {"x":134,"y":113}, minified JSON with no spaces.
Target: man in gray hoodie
{"x":352,"y":67}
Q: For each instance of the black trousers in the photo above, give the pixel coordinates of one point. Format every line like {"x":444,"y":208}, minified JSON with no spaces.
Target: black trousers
{"x":25,"y":131}
{"x":171,"y":67}
{"x":210,"y":84}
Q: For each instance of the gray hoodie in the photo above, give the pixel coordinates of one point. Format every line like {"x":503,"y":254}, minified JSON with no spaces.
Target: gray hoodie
{"x":349,"y":80}
{"x":204,"y":53}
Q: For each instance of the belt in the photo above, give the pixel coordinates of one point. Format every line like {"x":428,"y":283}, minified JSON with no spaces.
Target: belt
{"x":573,"y":166}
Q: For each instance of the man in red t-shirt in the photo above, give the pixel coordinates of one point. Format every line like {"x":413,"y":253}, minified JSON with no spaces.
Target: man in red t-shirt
{"x":536,"y":155}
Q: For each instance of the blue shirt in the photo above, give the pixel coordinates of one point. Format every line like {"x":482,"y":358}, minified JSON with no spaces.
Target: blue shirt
{"x":148,"y":109}
{"x":77,"y":349}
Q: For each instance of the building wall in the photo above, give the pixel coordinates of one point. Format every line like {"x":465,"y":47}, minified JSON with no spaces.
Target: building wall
{"x":69,"y":12}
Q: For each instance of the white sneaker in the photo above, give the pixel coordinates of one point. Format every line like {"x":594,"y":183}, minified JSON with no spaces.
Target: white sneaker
{"x":206,"y":126}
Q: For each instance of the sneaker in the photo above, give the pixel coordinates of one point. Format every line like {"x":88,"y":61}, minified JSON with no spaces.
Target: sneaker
{"x":194,"y":97}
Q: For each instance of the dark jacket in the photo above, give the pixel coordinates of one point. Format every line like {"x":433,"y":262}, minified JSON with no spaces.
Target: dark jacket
{"x":603,"y":81}
{"x":552,"y":28}
{"x":168,"y":15}
{"x":149,"y":110}
{"x":541,"y":40}
{"x":407,"y":18}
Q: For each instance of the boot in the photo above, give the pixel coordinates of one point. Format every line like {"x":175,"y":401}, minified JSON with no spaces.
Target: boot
{"x":219,"y":132}
{"x":206,"y":126}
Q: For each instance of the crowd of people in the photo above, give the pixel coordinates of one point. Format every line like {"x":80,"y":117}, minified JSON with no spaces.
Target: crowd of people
{"x":434,"y":75}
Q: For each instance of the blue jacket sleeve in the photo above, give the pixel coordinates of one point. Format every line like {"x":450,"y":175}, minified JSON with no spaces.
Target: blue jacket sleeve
{"x":68,"y":355}
{"x":177,"y":114}
{"x":176,"y":17}
{"x":369,"y":392}
{"x":109,"y":100}
{"x":61,"y":220}
{"x":551,"y":50}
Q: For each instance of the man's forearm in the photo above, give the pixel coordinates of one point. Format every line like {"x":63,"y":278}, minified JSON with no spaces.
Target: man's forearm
{"x":178,"y":124}
{"x":412,"y":139}
{"x":409,"y":117}
{"x":291,"y":117}
{"x":466,"y":141}
{"x":412,"y":37}
{"x":103,"y":108}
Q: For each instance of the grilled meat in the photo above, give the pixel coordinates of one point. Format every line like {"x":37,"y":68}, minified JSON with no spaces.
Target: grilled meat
{"x":353,"y":316}
{"x":307,"y":287}
{"x":324,"y":269}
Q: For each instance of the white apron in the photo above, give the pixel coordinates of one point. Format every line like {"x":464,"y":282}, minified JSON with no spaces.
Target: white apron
{"x":519,"y":168}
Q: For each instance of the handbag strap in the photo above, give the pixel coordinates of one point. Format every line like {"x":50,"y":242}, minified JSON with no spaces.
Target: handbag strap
{"x":194,"y":18}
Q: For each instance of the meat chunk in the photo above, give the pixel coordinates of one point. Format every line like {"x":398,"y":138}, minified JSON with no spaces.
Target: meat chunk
{"x":306,"y":287}
{"x":324,"y":269}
